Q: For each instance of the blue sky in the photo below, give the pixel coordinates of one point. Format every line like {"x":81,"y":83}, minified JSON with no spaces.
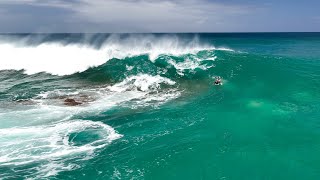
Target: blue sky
{"x":50,"y":16}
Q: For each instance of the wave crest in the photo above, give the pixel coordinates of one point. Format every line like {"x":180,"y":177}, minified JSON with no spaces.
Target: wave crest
{"x":64,"y":59}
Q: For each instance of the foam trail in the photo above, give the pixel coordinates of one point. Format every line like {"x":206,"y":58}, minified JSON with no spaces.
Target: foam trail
{"x":43,"y":144}
{"x":64,"y":59}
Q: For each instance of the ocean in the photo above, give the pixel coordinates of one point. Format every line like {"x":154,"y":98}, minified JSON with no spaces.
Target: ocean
{"x":144,"y":106}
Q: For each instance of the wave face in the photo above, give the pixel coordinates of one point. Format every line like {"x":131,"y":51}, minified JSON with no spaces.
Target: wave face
{"x":144,"y":106}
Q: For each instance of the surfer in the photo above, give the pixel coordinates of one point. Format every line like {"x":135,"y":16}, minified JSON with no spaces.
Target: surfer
{"x":218,"y":81}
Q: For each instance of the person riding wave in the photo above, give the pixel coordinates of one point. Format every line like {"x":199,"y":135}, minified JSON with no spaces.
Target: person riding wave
{"x":218,"y":81}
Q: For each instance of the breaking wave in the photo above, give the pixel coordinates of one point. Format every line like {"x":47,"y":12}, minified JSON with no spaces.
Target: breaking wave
{"x":61,"y":58}
{"x":48,"y":122}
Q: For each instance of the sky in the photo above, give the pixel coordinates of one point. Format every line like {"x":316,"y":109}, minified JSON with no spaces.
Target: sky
{"x":138,"y":16}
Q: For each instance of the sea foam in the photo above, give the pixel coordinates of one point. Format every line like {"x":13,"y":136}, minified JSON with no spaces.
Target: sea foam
{"x":46,"y":144}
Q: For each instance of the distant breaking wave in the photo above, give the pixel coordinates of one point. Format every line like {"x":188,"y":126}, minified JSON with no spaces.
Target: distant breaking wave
{"x":61,"y":58}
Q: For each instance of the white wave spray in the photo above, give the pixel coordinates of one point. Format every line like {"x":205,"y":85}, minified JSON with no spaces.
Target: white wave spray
{"x":64,"y":59}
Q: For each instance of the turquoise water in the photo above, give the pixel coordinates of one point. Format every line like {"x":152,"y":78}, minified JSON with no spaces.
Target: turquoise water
{"x":149,"y":109}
